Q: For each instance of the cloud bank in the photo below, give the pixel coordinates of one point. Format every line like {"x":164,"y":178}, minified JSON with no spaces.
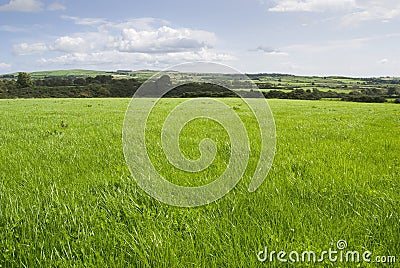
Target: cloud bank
{"x":30,"y":6}
{"x":126,"y":42}
{"x":353,"y":10}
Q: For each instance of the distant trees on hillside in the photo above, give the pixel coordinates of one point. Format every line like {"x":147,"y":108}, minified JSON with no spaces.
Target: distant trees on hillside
{"x":64,"y":87}
{"x":24,"y":80}
{"x":104,"y":86}
{"x":364,"y":98}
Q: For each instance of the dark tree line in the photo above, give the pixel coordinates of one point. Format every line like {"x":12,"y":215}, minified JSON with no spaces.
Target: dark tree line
{"x":104,"y":86}
{"x":90,"y":87}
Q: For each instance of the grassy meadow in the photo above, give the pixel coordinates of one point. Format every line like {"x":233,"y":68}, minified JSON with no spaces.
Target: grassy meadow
{"x":68,"y":199}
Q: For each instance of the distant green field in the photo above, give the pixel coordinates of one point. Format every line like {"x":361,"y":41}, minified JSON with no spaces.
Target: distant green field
{"x":60,"y":73}
{"x":337,"y":84}
{"x":140,"y":75}
{"x":68,"y":199}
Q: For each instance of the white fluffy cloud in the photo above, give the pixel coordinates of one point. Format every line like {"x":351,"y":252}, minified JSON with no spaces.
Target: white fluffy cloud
{"x":29,"y":49}
{"x":373,"y":10}
{"x":354,"y":10}
{"x":312,"y":5}
{"x":4,"y":66}
{"x":384,"y":61}
{"x":30,"y":6}
{"x":163,"y":40}
{"x":118,"y":59}
{"x":141,"y":41}
{"x":69,"y":44}
{"x":56,"y":7}
{"x":22,"y":6}
{"x":85,"y":21}
{"x":11,"y":28}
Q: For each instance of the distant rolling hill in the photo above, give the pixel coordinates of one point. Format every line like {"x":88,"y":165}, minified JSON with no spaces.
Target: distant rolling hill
{"x":119,"y":74}
{"x":75,"y":72}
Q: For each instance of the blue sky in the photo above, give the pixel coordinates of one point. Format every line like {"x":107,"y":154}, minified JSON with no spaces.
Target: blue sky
{"x":307,"y":37}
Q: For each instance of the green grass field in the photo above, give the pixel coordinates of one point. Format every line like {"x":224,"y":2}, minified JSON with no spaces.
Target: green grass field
{"x":68,"y":199}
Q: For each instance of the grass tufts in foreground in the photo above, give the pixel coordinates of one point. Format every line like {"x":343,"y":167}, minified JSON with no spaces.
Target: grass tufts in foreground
{"x":67,"y":198}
